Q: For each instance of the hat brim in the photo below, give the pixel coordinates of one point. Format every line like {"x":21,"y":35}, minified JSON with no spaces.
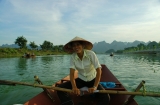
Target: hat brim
{"x":87,"y":45}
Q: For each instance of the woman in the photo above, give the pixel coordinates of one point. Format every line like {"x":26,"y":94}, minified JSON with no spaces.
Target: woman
{"x":89,"y":71}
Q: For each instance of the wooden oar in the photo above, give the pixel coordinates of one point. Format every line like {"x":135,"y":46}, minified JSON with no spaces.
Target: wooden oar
{"x":68,"y":90}
{"x":130,"y":98}
{"x":6,"y":82}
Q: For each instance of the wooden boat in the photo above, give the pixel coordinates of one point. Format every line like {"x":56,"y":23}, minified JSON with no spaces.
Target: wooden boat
{"x":111,"y":54}
{"x":107,"y":76}
{"x":28,"y":56}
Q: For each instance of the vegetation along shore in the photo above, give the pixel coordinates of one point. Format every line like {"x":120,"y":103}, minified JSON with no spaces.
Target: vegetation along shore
{"x":47,"y":48}
{"x":14,"y":52}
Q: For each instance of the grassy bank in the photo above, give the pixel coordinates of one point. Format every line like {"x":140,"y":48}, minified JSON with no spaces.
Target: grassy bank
{"x":14,"y":52}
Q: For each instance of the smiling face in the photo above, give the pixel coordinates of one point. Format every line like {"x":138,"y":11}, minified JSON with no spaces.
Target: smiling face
{"x":77,"y":47}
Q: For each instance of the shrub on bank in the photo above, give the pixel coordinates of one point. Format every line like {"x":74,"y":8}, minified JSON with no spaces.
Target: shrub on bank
{"x":16,"y":52}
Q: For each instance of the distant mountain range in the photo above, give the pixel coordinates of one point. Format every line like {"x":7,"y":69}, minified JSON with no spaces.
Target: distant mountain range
{"x":103,"y":47}
{"x":100,"y":47}
{"x":9,"y":45}
{"x":14,"y":46}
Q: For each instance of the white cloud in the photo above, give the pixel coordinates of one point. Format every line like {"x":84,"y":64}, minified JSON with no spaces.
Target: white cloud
{"x":59,"y":21}
{"x":37,"y":11}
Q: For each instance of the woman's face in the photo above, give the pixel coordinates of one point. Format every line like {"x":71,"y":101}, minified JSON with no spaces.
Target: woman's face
{"x":77,"y":47}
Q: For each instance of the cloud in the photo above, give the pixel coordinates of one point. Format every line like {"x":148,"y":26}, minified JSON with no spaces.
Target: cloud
{"x":59,"y":21}
{"x":37,"y":11}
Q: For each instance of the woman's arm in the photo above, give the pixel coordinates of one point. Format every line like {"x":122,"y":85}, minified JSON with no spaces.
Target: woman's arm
{"x":98,"y":77}
{"x":97,"y":80}
{"x":72,"y":79}
{"x":72,"y":71}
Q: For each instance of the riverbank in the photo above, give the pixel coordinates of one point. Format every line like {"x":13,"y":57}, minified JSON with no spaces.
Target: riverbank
{"x":156,"y":51}
{"x":14,"y":52}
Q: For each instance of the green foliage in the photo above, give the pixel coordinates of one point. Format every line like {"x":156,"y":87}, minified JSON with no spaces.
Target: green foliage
{"x":21,"y":41}
{"x":14,"y":52}
{"x":11,"y":50}
{"x":58,"y":48}
{"x":130,"y":49}
{"x":61,"y":48}
{"x":47,"y":45}
{"x":8,"y":50}
{"x":33,"y":45}
{"x":119,"y":51}
{"x":153,"y":45}
{"x":110,"y":51}
{"x":140,"y":47}
{"x":47,"y":49}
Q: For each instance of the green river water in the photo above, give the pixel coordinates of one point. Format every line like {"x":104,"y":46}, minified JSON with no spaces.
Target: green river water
{"x":129,"y":69}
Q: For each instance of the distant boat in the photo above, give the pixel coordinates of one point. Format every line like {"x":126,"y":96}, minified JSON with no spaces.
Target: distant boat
{"x":111,"y":54}
{"x":28,"y":55}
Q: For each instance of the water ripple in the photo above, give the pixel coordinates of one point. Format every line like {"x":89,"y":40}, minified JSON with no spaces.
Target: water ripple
{"x":129,"y":69}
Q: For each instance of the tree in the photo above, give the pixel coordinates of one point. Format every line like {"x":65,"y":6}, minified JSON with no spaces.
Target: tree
{"x":119,"y":51}
{"x":153,"y":45}
{"x":58,"y":48}
{"x":21,"y":41}
{"x":33,"y":45}
{"x":47,"y":45}
{"x":141,"y":46}
{"x":61,"y":47}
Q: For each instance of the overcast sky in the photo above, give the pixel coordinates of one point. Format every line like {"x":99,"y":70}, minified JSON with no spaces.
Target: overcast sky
{"x":59,"y":21}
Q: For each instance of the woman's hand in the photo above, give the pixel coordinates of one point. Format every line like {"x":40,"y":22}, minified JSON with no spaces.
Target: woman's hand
{"x":76,"y":91}
{"x":92,"y":89}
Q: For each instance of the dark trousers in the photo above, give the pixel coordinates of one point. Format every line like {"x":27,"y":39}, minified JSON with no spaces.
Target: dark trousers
{"x":66,"y":100}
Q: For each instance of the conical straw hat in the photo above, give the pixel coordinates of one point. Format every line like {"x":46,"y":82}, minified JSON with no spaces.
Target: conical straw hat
{"x":87,"y":44}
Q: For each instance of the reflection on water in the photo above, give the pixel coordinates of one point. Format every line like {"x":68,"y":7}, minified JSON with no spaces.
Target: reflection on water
{"x":129,"y":69}
{"x":132,"y":69}
{"x":22,"y":64}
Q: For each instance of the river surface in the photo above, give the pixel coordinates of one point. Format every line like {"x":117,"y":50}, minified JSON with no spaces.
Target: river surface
{"x":129,"y":69}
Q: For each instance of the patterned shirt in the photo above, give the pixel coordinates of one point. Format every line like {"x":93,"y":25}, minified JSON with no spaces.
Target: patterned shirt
{"x":87,"y":66}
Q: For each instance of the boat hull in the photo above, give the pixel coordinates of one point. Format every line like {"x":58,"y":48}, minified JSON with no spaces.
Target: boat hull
{"x":107,"y":76}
